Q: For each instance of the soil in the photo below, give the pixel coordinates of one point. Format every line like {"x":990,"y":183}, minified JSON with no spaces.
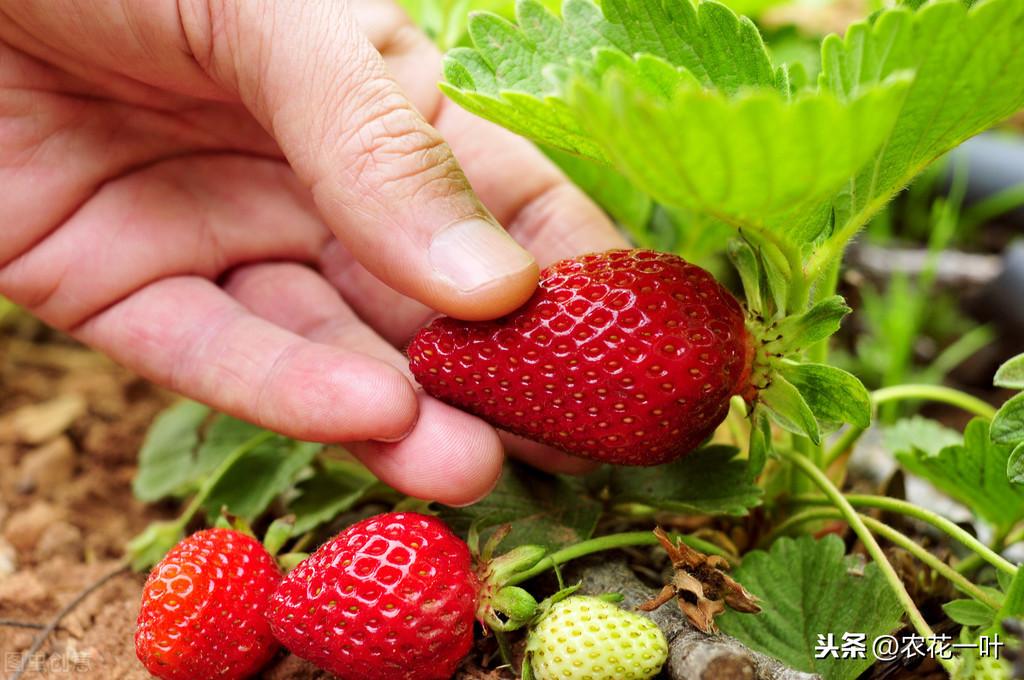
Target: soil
{"x":71,"y":424}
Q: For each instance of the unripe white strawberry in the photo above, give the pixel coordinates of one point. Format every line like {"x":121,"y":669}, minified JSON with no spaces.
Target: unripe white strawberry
{"x":586,"y":638}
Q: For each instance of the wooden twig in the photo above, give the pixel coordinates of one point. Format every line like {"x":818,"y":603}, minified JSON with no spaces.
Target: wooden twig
{"x":48,"y":629}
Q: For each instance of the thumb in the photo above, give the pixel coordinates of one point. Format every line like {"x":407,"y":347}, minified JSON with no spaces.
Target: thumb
{"x":385,"y":181}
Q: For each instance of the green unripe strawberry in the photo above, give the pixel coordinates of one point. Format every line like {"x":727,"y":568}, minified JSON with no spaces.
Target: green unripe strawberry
{"x":586,"y":638}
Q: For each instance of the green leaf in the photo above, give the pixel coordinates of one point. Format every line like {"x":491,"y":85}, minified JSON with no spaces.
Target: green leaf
{"x":720,"y":49}
{"x":167,"y":463}
{"x":155,"y":541}
{"x":699,"y":118}
{"x":969,"y":612}
{"x":249,"y":486}
{"x":757,"y":159}
{"x":918,"y":433}
{"x":760,"y":265}
{"x":224,"y":435}
{"x":748,"y":266}
{"x":777,"y":279}
{"x":545,"y":510}
{"x":833,"y":395}
{"x":1012,"y":608}
{"x":789,"y":409}
{"x":1013,"y":603}
{"x":335,"y":487}
{"x":799,"y":331}
{"x":1008,"y":425}
{"x":709,"y":481}
{"x":1015,"y":465}
{"x":973,"y":473}
{"x":760,"y":445}
{"x":808,"y":588}
{"x":624,"y":202}
{"x":752,"y":8}
{"x":278,"y":533}
{"x":966,"y":66}
{"x":1011,"y":374}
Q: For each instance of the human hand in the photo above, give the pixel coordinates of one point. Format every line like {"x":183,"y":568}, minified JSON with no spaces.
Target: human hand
{"x":248,"y":203}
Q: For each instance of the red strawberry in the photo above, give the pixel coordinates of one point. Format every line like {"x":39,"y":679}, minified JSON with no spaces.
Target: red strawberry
{"x":390,"y":598}
{"x":627,"y":356}
{"x":203,"y":609}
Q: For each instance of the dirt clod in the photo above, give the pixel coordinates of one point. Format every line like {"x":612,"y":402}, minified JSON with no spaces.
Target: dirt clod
{"x":47,"y":467}
{"x":39,"y":423}
{"x":23,"y":591}
{"x":60,"y":539}
{"x":24,"y":528}
{"x":8,"y":558}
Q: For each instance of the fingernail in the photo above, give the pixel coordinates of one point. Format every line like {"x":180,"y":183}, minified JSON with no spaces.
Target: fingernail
{"x":475,"y":252}
{"x":478,"y":499}
{"x":393,"y":440}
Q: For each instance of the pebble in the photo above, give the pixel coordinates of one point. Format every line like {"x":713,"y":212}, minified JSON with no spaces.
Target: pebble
{"x":23,"y":591}
{"x":60,"y":539}
{"x":8,"y":559}
{"x":26,"y":527}
{"x":47,"y":467}
{"x":39,"y":423}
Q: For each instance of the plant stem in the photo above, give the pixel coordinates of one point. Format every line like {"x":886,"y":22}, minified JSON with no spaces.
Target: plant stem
{"x":798,"y":519}
{"x":847,"y":439}
{"x":991,"y":207}
{"x":902,"y":540}
{"x":939,"y":393}
{"x":941,"y":523}
{"x":870,"y":544}
{"x":896,"y":538}
{"x":998,"y":542}
{"x":826,"y":287}
{"x":610,"y":542}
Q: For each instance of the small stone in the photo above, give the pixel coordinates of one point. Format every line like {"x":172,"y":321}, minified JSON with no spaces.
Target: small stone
{"x":26,"y":527}
{"x":23,"y":591}
{"x":39,"y":423}
{"x":60,"y":539}
{"x":8,"y":559}
{"x":47,"y":467}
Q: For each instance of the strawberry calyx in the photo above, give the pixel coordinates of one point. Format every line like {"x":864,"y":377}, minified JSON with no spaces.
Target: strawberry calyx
{"x":501,"y":605}
{"x":786,"y":326}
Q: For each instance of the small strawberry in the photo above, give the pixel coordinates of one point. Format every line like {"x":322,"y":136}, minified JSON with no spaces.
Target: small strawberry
{"x":392,"y":597}
{"x":586,"y":637}
{"x":203,"y":606}
{"x":627,"y":356}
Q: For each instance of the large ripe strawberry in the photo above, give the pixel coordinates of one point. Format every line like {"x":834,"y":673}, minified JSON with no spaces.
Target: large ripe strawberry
{"x":627,"y":356}
{"x":203,"y":609}
{"x":390,"y":598}
{"x":586,"y":637}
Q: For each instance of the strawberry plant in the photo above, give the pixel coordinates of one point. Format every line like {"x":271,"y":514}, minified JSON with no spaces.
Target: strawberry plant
{"x":710,"y":393}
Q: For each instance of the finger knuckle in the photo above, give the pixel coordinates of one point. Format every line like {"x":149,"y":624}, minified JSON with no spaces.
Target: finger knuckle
{"x":395,"y":150}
